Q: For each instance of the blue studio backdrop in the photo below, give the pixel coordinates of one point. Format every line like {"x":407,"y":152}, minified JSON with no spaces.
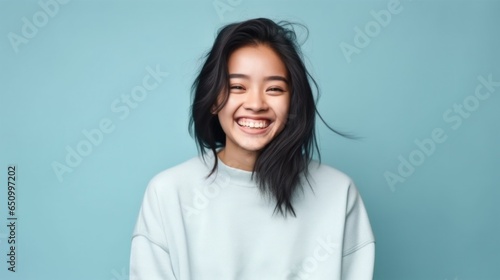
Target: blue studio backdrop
{"x":95,"y":101}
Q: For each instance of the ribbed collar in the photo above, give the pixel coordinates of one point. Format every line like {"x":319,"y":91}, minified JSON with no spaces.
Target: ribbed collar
{"x":230,"y":176}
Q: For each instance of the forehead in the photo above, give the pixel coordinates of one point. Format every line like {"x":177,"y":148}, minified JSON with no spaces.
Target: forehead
{"x":259,"y":60}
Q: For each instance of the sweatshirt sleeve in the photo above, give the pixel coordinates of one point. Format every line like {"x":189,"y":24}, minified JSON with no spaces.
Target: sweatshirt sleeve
{"x":359,"y":243}
{"x":150,"y":257}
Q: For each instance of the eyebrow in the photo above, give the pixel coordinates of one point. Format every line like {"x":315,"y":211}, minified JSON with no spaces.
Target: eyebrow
{"x":268,"y":78}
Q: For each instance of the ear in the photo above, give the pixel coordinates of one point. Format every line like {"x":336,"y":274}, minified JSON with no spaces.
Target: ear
{"x":213,"y":110}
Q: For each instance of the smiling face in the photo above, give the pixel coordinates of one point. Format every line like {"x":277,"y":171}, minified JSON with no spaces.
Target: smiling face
{"x":259,"y":98}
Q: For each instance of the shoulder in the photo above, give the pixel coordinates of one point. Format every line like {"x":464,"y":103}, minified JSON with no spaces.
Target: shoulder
{"x":188,"y":172}
{"x":330,"y":182}
{"x":324,"y":174}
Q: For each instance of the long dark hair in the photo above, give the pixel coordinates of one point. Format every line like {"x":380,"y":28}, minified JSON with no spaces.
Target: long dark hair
{"x":280,"y":164}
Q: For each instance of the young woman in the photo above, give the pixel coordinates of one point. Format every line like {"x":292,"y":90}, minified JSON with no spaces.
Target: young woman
{"x":256,"y":206}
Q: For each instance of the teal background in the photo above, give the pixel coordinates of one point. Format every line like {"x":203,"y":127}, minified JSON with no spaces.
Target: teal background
{"x":440,"y":223}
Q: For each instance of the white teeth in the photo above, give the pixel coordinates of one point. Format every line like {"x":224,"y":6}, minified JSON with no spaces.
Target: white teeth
{"x":253,"y":124}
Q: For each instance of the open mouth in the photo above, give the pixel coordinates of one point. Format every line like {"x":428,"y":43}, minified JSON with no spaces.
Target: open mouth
{"x":253,"y":123}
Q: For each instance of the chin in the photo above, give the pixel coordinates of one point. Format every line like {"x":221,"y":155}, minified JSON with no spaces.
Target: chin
{"x":254,"y":148}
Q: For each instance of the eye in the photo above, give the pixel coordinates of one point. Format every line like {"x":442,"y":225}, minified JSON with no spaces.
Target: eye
{"x":276,"y":89}
{"x":236,"y":88}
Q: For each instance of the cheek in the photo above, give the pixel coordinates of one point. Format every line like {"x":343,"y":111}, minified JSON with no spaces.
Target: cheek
{"x":281,"y":109}
{"x":226,"y":114}
{"x":220,"y":100}
{"x":223,"y":117}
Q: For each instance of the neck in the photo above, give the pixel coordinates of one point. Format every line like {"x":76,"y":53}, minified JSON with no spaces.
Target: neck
{"x":244,"y":160}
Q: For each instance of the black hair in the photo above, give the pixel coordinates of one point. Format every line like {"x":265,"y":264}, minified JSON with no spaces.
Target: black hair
{"x":282,"y":162}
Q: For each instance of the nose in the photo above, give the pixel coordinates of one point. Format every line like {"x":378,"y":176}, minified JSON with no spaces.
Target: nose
{"x":255,"y":100}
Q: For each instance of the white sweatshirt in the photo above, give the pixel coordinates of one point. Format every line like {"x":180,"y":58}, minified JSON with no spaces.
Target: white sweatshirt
{"x":221,"y":228}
